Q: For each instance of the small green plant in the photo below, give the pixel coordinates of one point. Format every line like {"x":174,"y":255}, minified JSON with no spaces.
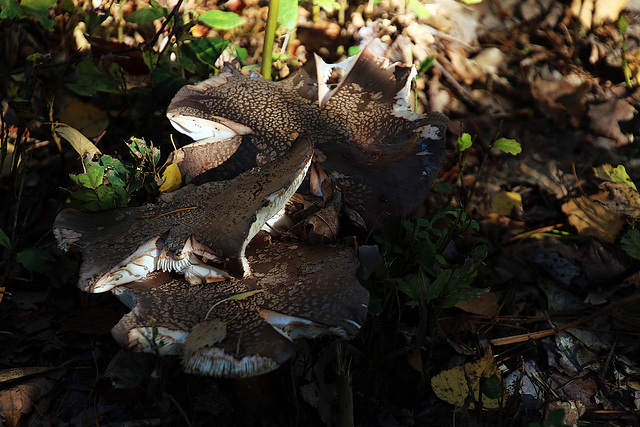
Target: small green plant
{"x":414,"y":263}
{"x":622,"y":28}
{"x":110,"y":183}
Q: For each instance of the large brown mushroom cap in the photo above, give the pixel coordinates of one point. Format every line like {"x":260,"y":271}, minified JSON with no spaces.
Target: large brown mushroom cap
{"x":383,"y":156}
{"x":183,"y":228}
{"x":296,"y":290}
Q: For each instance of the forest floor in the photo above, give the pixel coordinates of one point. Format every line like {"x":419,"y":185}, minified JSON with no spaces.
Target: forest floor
{"x":556,"y":325}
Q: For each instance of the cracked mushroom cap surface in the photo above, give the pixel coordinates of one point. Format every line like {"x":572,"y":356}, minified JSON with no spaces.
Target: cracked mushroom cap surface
{"x":214,"y":221}
{"x":244,"y":327}
{"x":383,"y":156}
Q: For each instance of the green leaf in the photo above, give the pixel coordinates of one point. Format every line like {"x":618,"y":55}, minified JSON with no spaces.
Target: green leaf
{"x":34,"y":259}
{"x":91,"y":80}
{"x":630,"y":243}
{"x":510,"y":146}
{"x":4,"y":240}
{"x":288,"y":14}
{"x":94,"y":176}
{"x":327,"y":5}
{"x":203,"y":53}
{"x":353,"y":50}
{"x":143,"y":16}
{"x":426,"y":64}
{"x":442,"y":187}
{"x":10,"y":9}
{"x":98,"y":199}
{"x":39,"y":9}
{"x":618,"y":174}
{"x":622,"y":24}
{"x":492,"y":387}
{"x":241,"y":53}
{"x":220,"y":20}
{"x":418,"y":8}
{"x":464,"y":142}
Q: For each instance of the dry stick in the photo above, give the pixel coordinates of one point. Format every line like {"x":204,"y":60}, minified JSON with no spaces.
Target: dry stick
{"x":548,"y":332}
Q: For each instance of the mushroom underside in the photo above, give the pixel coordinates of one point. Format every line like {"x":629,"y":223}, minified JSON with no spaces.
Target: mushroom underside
{"x":244,"y":327}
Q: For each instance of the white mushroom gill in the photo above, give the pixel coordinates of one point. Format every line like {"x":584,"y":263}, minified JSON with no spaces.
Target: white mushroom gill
{"x":200,"y":129}
{"x":194,"y":270}
{"x":215,"y":362}
{"x":135,"y":267}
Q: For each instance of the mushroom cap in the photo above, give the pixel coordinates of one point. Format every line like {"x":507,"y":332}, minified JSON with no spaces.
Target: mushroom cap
{"x":383,"y":156}
{"x":297,"y":290}
{"x":215,"y":218}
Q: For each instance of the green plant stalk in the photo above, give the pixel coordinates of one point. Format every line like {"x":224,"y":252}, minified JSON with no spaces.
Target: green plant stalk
{"x":269,"y":38}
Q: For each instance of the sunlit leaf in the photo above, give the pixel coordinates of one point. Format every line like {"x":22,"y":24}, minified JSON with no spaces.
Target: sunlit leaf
{"x":509,"y":146}
{"x":288,"y":14}
{"x":10,"y":9}
{"x":78,"y":141}
{"x":607,"y":172}
{"x":464,"y":142}
{"x":418,"y":8}
{"x":39,"y":9}
{"x":622,"y":24}
{"x":172,"y":179}
{"x":327,"y":5}
{"x":220,"y":20}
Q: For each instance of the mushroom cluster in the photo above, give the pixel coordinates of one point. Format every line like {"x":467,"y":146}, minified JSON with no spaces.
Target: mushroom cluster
{"x":189,"y":266}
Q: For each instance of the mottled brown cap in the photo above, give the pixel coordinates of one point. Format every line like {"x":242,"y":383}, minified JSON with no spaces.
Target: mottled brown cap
{"x":383,"y":156}
{"x":244,"y":327}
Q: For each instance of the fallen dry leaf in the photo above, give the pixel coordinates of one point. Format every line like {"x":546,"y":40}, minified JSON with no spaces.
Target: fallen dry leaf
{"x":204,"y":334}
{"x":486,"y":304}
{"x":604,"y":119}
{"x":623,"y":199}
{"x":454,"y":385}
{"x":591,"y":218}
{"x":18,"y":401}
{"x":560,"y":101}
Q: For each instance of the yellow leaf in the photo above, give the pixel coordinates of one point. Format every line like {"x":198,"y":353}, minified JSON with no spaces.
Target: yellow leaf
{"x":172,"y":179}
{"x":455,"y":385}
{"x":591,"y":218}
{"x":78,"y":141}
{"x":507,"y":203}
